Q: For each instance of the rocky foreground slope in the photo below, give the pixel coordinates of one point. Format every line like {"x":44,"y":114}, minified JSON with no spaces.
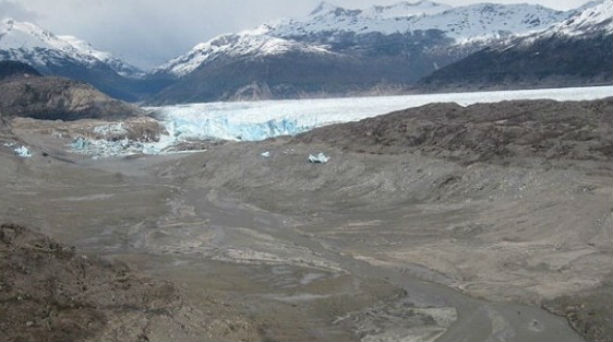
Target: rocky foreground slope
{"x":49,"y":292}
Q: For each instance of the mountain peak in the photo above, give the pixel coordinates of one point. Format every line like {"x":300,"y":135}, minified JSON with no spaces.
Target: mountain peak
{"x":595,"y":16}
{"x":27,"y":42}
{"x":324,"y":7}
{"x":408,"y":9}
{"x":25,"y":35}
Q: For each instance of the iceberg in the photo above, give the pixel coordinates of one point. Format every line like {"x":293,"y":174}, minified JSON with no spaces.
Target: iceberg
{"x":320,"y":158}
{"x":23,"y":152}
{"x":265,"y":154}
{"x":108,"y":148}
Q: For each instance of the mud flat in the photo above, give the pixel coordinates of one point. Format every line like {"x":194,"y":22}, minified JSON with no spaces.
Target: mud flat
{"x":437,"y":223}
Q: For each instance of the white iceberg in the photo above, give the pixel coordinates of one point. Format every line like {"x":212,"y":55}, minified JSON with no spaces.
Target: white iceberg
{"x":103,"y":148}
{"x":23,"y":152}
{"x":320,"y":158}
{"x":265,"y":154}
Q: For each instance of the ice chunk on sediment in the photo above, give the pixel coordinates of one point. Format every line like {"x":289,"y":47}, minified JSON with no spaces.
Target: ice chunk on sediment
{"x":320,"y":158}
{"x":23,"y":152}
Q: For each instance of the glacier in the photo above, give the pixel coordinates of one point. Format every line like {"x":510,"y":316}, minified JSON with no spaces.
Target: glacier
{"x":260,"y":120}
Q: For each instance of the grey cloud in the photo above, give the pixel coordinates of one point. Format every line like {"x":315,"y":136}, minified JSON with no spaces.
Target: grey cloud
{"x":15,"y":10}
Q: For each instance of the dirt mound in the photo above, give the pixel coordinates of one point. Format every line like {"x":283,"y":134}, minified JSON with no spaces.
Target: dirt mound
{"x":52,"y":98}
{"x":48,"y":292}
{"x":546,"y":129}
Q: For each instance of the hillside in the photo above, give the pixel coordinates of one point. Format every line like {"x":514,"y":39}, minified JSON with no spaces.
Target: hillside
{"x":12,"y":69}
{"x":482,"y":132}
{"x":577,"y":52}
{"x":53,"y":98}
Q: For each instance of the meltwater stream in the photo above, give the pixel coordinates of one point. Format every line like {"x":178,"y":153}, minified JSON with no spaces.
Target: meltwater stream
{"x":259,"y":120}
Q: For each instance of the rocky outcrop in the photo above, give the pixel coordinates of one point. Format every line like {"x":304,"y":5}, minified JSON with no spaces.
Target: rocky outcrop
{"x":52,"y":98}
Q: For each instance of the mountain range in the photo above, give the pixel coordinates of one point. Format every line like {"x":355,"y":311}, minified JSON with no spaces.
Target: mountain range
{"x":577,"y":51}
{"x":72,"y":58}
{"x":335,"y":51}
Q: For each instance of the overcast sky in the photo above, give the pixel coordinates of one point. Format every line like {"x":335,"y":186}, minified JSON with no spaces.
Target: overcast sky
{"x":149,"y":32}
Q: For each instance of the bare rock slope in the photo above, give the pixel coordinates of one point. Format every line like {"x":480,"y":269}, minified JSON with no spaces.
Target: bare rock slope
{"x":52,"y":98}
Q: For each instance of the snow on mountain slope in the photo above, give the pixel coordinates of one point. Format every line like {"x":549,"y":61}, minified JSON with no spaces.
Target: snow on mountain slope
{"x":484,"y":21}
{"x":29,"y":43}
{"x":466,"y":23}
{"x":329,"y":23}
{"x":248,"y":43}
{"x":406,"y":9}
{"x":121,"y":67}
{"x":595,"y":16}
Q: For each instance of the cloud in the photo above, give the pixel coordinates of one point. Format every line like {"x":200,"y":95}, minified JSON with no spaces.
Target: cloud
{"x":15,"y":10}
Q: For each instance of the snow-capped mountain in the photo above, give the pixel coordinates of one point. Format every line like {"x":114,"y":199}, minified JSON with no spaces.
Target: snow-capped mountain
{"x":118,"y":65}
{"x":29,"y":43}
{"x":576,"y":51}
{"x":72,"y":58}
{"x":247,"y":43}
{"x":381,"y":47}
{"x":332,"y":25}
{"x":593,"y":17}
{"x":479,"y":21}
{"x":406,"y":9}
